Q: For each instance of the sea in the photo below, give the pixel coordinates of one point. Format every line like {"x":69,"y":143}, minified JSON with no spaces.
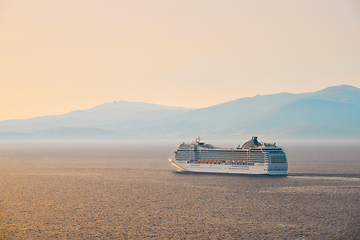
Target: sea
{"x":129,"y":190}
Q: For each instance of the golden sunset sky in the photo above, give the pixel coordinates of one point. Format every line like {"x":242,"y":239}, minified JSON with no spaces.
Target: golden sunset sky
{"x":58,"y":56}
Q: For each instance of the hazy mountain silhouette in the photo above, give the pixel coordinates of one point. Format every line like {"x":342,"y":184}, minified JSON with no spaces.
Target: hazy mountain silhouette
{"x":100,"y":115}
{"x":331,"y":113}
{"x":305,"y":119}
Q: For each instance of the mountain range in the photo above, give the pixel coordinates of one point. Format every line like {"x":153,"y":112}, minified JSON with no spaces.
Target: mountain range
{"x":332,"y":113}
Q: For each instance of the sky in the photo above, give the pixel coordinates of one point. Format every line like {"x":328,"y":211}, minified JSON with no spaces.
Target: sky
{"x":59,"y":56}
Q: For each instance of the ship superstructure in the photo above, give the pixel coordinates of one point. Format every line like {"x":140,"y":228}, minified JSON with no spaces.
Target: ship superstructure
{"x":252,"y":157}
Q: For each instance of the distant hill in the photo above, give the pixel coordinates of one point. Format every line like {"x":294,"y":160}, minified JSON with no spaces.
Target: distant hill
{"x":306,"y":119}
{"x":96,"y":117}
{"x":332,"y":113}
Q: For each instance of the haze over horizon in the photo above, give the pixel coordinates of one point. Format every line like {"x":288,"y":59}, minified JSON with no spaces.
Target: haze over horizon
{"x":60,"y":56}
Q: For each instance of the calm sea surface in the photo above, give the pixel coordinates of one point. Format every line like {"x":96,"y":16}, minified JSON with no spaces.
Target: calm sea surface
{"x":129,"y":190}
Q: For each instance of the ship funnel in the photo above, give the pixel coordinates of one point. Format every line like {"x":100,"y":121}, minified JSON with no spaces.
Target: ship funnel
{"x":252,"y":143}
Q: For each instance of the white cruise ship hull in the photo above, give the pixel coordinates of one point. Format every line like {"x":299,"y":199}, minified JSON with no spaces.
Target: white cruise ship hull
{"x":257,"y":168}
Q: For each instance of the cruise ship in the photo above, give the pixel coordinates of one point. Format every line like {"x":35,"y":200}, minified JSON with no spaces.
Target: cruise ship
{"x":252,"y":157}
